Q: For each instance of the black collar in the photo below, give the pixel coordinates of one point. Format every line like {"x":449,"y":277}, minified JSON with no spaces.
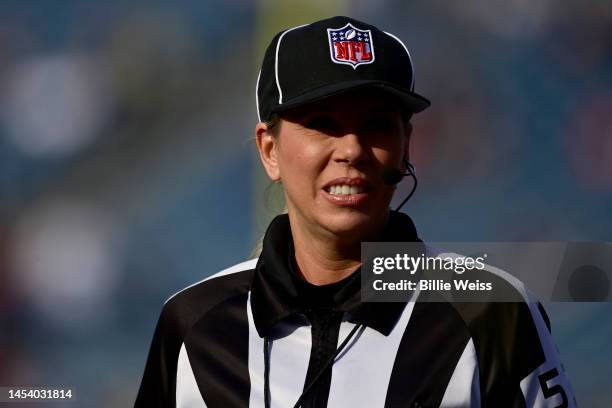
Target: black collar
{"x":275,"y":293}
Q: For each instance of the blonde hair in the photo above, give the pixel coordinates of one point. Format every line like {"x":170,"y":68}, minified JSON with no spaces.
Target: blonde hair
{"x":256,"y":251}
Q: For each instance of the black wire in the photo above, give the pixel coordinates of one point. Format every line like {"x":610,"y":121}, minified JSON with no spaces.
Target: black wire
{"x":326,"y":366}
{"x":414,"y":186}
{"x":266,"y":372}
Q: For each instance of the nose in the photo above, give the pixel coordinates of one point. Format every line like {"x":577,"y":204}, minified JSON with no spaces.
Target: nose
{"x":350,"y":149}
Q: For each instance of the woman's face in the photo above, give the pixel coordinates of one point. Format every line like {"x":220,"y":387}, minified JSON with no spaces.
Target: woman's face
{"x":330,"y":157}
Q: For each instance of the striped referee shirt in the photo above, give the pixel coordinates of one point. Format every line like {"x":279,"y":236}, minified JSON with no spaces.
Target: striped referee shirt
{"x":208,"y":346}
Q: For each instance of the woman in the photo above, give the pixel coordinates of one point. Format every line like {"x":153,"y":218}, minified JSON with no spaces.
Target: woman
{"x":334,"y":99}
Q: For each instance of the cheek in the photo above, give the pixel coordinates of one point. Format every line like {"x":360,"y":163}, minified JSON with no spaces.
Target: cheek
{"x":390,"y":156}
{"x":300,"y":164}
{"x":388,"y":149}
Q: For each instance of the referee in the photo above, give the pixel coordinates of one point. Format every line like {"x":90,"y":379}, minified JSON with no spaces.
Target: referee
{"x":289,"y":329}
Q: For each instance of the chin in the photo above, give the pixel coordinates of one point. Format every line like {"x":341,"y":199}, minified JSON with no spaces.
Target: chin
{"x":352,"y":224}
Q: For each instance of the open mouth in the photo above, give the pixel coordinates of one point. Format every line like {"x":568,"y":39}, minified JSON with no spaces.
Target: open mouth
{"x":348,"y":191}
{"x":345,"y":189}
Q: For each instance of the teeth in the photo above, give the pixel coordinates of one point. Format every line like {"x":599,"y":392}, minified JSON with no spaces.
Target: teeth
{"x":345,"y":189}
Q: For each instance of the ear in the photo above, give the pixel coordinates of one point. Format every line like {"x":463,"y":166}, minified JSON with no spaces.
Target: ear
{"x":267,"y":145}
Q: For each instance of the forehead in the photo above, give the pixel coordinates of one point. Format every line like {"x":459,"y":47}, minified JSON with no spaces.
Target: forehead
{"x":367,"y":100}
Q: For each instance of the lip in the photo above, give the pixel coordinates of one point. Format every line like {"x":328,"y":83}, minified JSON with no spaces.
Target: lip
{"x":350,"y":181}
{"x":348,"y":200}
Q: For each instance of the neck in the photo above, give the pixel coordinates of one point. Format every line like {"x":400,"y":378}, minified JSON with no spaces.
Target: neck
{"x":325,"y":258}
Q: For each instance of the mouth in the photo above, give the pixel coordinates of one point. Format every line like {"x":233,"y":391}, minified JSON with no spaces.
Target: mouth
{"x":347,"y":186}
{"x":344,"y":189}
{"x":347,"y":191}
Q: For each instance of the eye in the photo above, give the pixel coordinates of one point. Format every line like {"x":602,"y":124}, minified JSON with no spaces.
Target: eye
{"x":322,"y":123}
{"x":380,"y":124}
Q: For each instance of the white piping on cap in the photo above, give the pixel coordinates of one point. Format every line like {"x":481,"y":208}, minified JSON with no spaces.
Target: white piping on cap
{"x":280,"y":92}
{"x":409,"y":58}
{"x":257,"y":96}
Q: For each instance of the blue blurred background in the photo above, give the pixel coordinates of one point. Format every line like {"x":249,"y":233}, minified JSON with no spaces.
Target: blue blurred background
{"x":128,"y":169}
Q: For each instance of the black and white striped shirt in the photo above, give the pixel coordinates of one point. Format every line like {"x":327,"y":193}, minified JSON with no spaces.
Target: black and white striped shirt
{"x":208,"y":346}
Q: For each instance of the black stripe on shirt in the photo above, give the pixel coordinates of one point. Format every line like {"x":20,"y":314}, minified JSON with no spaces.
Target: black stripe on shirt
{"x":179,"y":314}
{"x":508,"y":348}
{"x":428,"y":353}
{"x":218,"y":350}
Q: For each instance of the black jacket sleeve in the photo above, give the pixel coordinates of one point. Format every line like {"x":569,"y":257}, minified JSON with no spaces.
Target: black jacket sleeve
{"x":158,"y":386}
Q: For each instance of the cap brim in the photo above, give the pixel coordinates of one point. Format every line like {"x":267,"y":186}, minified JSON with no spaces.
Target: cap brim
{"x":411,"y":101}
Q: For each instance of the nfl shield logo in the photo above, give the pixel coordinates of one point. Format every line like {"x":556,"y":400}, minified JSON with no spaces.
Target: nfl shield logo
{"x":350,"y":45}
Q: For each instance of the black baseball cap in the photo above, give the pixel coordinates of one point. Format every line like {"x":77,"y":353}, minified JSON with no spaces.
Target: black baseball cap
{"x":307,"y":63}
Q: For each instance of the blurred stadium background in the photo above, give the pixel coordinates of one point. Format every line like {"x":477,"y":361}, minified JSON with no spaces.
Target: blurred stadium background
{"x":127,"y":168}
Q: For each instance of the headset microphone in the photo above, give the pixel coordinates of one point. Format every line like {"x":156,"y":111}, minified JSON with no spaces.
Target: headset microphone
{"x":393,"y":176}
